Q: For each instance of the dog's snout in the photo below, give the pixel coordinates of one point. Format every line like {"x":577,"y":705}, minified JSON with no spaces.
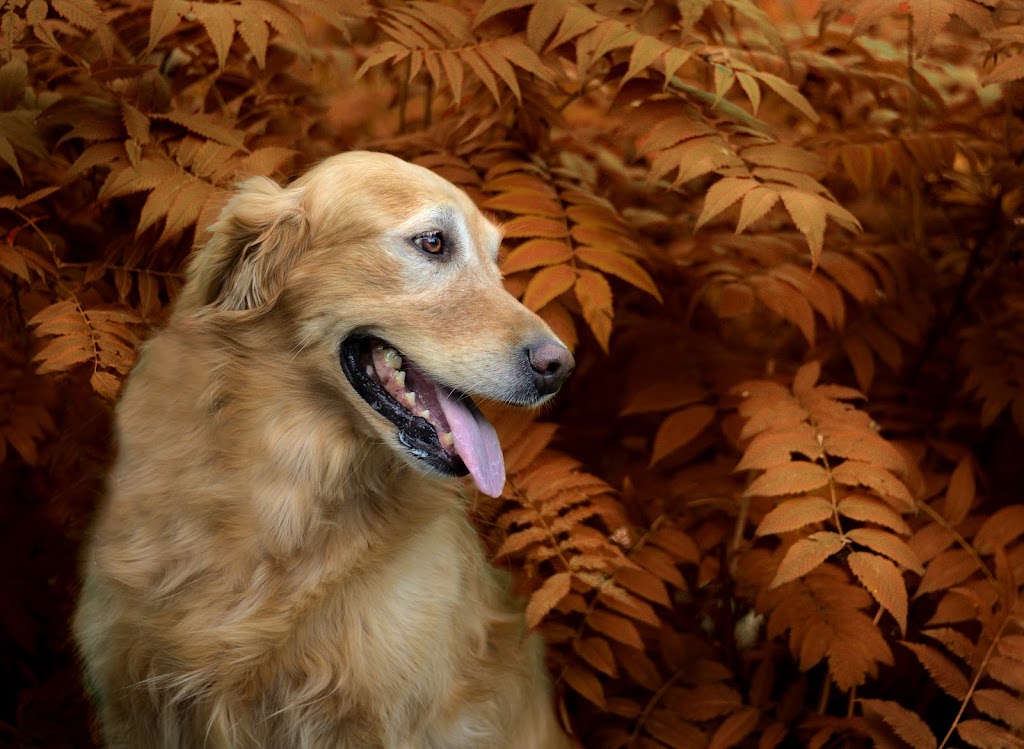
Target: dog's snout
{"x":551,"y":364}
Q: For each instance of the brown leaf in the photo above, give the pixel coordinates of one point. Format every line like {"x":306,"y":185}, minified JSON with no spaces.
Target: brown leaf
{"x":883,"y":581}
{"x":219,"y":22}
{"x":864,"y":445}
{"x":735,"y":728}
{"x":789,"y":92}
{"x":871,"y":510}
{"x":1001,"y":705}
{"x":794,"y":513}
{"x":704,"y":702}
{"x":1006,"y":671}
{"x":596,"y":652}
{"x":1010,"y":69}
{"x":595,"y":298}
{"x":793,"y":478}
{"x":617,"y":627}
{"x":806,"y":554}
{"x":774,"y":448}
{"x":548,"y":284}
{"x":545,"y":598}
{"x":1002,"y":526}
{"x":756,"y":205}
{"x":907,"y":725}
{"x":735,"y":300}
{"x":946,"y":570}
{"x":860,"y":473}
{"x":945,"y":673}
{"x":662,"y":395}
{"x":723,"y":194}
{"x":619,"y":265}
{"x":1012,"y":645}
{"x":960,"y":492}
{"x":584,"y":682}
{"x":985,"y":735}
{"x":679,"y":429}
{"x":643,"y":583}
{"x":888,"y":544}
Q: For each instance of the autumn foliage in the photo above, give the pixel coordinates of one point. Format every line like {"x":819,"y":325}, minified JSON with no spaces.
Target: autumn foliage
{"x":779,"y":505}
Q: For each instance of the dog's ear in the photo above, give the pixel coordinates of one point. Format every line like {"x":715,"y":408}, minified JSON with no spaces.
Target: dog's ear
{"x":257,"y":238}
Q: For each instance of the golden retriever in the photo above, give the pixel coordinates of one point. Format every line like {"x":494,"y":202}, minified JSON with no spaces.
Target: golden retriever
{"x":282,"y":559}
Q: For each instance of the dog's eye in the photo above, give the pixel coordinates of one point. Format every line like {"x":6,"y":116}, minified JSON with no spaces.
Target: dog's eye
{"x":431,"y":242}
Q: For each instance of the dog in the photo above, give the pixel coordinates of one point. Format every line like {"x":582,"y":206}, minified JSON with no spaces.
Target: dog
{"x":282,"y":558}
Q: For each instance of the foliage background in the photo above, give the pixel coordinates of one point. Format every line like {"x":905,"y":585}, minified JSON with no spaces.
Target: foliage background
{"x":779,"y":503}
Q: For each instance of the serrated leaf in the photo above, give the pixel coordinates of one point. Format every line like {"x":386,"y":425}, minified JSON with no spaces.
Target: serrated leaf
{"x":735,"y":728}
{"x":584,"y":682}
{"x":883,"y":581}
{"x":908,"y":726}
{"x":809,"y":214}
{"x":870,"y":510}
{"x":616,"y":627}
{"x":535,"y":253}
{"x":960,"y":492}
{"x":860,"y":473}
{"x":789,"y":92}
{"x":1010,"y":69}
{"x":219,"y":22}
{"x":796,"y":477}
{"x":793,"y":514}
{"x":755,"y":206}
{"x":256,"y":35}
{"x":888,"y":544}
{"x":680,"y":429}
{"x":545,"y":598}
{"x":985,"y":735}
{"x":207,"y":126}
{"x":806,"y":554}
{"x":548,"y":284}
{"x":164,"y":16}
{"x":1001,"y":705}
{"x":723,"y":194}
{"x":619,"y":265}
{"x":595,"y":298}
{"x":999,"y":529}
{"x":598,"y":653}
{"x":946,"y":570}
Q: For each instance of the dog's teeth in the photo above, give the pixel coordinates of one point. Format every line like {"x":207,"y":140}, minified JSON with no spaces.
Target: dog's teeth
{"x":424,"y":414}
{"x":369,"y":370}
{"x":400,"y":378}
{"x":446,"y":439}
{"x":410,"y":398}
{"x":392,"y":358}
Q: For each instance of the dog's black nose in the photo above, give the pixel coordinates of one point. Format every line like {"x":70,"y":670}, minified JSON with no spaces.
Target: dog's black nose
{"x":551,"y":363}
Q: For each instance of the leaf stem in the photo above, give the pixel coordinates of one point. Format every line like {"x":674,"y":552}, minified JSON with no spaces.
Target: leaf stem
{"x":651,"y":704}
{"x":933,"y":513}
{"x":977,"y":676}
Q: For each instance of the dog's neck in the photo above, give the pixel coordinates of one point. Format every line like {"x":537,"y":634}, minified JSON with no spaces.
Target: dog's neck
{"x":308,"y":454}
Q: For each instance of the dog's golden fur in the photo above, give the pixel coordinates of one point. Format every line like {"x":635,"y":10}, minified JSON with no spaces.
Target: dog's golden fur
{"x":270,"y":567}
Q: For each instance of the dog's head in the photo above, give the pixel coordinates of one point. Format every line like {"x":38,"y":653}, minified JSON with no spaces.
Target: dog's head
{"x":387,"y":279}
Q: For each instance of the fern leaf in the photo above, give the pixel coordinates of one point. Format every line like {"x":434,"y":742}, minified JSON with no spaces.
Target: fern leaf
{"x":806,"y":554}
{"x":907,"y":725}
{"x":883,"y":581}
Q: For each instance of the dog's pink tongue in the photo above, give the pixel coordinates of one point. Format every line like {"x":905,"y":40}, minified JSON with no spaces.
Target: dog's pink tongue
{"x":477,"y":444}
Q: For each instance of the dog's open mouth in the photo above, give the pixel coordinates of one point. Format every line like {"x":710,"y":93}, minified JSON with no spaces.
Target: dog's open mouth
{"x":440,"y":426}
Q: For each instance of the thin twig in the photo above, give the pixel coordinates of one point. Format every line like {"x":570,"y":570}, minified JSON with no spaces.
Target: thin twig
{"x":964,"y":544}
{"x":977,"y":676}
{"x":649,"y":707}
